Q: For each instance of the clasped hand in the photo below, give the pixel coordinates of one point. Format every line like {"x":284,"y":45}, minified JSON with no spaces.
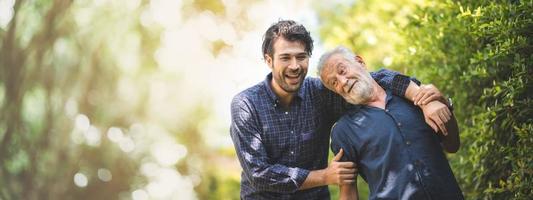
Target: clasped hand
{"x":340,"y":173}
{"x":436,"y":113}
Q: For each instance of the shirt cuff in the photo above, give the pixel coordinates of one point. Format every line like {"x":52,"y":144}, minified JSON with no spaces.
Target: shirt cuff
{"x":298,"y":175}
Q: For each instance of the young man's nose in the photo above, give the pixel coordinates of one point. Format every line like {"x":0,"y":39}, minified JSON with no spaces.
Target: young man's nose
{"x":294,"y":65}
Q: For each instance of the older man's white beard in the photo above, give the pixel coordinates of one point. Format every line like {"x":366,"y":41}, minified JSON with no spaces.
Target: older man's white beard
{"x":361,"y":92}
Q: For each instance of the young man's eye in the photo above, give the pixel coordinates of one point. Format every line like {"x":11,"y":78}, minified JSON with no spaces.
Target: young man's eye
{"x":301,"y":57}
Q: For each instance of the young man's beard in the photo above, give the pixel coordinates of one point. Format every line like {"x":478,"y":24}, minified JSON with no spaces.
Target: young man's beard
{"x":282,"y":82}
{"x":361,"y":92}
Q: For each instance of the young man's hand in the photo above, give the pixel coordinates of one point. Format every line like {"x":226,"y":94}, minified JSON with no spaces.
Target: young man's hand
{"x":340,"y":173}
{"x":337,"y":173}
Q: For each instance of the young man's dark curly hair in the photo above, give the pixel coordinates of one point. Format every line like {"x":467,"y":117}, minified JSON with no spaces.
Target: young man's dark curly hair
{"x":289,"y":30}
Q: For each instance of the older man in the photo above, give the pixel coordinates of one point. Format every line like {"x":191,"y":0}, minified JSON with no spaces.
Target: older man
{"x":397,"y":154}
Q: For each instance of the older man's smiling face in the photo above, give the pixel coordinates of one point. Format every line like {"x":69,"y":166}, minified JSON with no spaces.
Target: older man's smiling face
{"x":348,"y":79}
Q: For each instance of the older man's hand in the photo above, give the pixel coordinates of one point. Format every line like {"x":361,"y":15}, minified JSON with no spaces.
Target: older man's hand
{"x":437,"y":115}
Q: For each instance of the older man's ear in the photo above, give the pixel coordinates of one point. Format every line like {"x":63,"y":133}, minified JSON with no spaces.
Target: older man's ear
{"x":359,"y":59}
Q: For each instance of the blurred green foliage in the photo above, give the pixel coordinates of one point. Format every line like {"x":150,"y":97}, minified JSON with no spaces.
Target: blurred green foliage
{"x":479,"y":53}
{"x":48,"y":59}
{"x":70,"y":73}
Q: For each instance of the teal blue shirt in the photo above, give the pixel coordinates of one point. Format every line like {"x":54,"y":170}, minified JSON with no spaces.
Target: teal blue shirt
{"x":397,"y":153}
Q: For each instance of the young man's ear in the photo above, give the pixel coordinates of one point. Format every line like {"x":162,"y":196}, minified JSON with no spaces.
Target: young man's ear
{"x":268,"y":60}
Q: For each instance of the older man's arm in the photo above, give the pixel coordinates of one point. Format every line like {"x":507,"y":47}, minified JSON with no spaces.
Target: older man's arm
{"x":409,"y":88}
{"x":349,"y":192}
{"x":451,"y":141}
{"x":436,"y":113}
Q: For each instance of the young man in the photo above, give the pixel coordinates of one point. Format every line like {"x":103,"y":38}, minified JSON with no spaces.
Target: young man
{"x":398,"y":154}
{"x":280,"y":127}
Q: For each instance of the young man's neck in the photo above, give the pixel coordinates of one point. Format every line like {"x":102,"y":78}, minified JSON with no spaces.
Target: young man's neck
{"x":284,"y":97}
{"x":378,"y":96}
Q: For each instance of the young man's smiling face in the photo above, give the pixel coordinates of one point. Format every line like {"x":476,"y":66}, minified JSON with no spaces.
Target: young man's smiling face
{"x":289,"y":65}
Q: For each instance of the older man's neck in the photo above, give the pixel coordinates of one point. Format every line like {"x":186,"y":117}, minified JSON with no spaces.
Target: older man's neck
{"x":378,"y":98}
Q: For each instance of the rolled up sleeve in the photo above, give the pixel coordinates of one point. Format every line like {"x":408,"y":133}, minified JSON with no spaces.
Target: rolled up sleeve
{"x":393,"y":80}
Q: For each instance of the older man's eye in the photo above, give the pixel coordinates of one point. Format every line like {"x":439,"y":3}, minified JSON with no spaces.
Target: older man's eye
{"x":342,"y":69}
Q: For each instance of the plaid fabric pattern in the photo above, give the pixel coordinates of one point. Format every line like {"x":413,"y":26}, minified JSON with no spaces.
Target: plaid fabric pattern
{"x":278,"y":147}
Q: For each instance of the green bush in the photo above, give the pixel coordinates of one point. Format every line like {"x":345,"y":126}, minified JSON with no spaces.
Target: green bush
{"x":480,"y":53}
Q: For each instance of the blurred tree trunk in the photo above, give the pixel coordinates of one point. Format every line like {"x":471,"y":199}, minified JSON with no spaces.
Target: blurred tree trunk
{"x":19,"y":76}
{"x":12,"y":77}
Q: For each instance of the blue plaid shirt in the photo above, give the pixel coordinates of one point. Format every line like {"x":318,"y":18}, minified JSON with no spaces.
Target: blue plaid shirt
{"x":278,"y":147}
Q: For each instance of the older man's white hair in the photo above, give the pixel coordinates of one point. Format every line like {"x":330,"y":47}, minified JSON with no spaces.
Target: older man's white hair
{"x":342,"y":50}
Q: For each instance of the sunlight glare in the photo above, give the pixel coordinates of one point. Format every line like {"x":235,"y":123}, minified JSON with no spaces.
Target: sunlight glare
{"x":80,"y":180}
{"x":168,"y":153}
{"x":115,"y":134}
{"x":92,"y":136}
{"x":127,"y":144}
{"x":139,"y":194}
{"x":104,"y":175}
{"x":6,"y":12}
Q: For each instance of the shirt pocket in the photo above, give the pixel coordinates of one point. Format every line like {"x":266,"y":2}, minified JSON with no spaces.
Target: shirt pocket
{"x":312,"y":146}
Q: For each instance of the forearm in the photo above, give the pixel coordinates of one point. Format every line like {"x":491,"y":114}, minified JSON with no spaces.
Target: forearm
{"x":451,"y":142}
{"x":315,"y":178}
{"x":348,"y":192}
{"x":337,"y":172}
{"x":392,"y":80}
{"x":411,"y":91}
